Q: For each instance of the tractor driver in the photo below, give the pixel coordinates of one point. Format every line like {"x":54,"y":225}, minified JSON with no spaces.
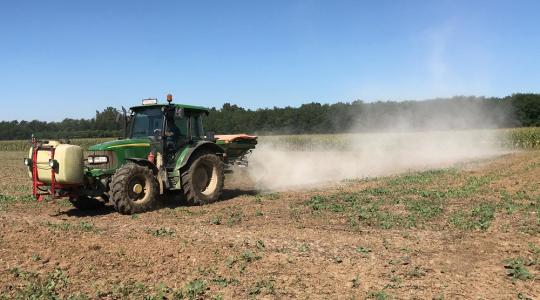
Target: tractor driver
{"x":174,"y":136}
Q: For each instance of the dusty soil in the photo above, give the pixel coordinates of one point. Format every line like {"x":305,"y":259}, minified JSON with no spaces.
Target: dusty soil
{"x":472,"y":231}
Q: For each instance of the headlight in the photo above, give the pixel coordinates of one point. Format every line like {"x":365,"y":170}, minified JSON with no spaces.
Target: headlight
{"x":27,"y":162}
{"x":98,"y":160}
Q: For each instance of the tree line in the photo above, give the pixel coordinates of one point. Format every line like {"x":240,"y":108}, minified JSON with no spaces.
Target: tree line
{"x":517,"y":110}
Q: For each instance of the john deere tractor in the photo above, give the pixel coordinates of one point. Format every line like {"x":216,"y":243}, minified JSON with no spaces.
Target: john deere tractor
{"x":164,"y":149}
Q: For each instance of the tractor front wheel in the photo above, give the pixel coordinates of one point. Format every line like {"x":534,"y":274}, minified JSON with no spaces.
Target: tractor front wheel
{"x":203,"y":181}
{"x":134,"y":189}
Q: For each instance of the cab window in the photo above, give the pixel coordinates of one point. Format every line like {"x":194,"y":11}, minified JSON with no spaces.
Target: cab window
{"x":145,"y":122}
{"x":196,"y":125}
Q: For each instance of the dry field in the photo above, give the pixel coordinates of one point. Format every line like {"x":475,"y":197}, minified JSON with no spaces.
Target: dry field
{"x":467,"y":232}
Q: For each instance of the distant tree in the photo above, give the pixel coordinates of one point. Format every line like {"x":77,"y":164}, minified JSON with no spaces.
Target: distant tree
{"x":451,"y":113}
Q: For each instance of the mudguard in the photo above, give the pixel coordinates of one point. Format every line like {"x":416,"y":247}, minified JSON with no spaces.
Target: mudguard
{"x":144,"y":162}
{"x":201,"y":146}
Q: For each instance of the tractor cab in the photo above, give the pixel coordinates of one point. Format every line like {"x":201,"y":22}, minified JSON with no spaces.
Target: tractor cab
{"x":152,"y":119}
{"x":171,"y":127}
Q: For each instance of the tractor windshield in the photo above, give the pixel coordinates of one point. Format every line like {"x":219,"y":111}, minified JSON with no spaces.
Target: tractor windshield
{"x":146,"y":121}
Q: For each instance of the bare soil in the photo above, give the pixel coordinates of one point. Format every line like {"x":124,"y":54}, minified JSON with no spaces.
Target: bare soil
{"x":450,"y":233}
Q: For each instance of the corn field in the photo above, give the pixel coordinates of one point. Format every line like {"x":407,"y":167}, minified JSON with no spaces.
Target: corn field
{"x":524,"y":138}
{"x":518,"y":138}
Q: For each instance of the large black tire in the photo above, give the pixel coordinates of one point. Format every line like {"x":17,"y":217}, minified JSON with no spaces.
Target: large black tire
{"x":86,"y":203}
{"x":202,"y":181}
{"x":134,"y":189}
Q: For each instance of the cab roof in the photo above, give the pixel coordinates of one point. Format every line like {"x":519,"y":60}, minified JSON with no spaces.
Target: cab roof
{"x":184,"y":106}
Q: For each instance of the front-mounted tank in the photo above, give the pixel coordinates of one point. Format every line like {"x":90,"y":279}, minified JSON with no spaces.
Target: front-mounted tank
{"x":63,"y":161}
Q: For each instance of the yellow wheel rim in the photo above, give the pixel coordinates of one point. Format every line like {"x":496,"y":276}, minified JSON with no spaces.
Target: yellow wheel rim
{"x":137,"y":188}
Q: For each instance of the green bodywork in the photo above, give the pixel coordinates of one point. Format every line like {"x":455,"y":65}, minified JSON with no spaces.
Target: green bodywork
{"x":138,"y":149}
{"x":123,"y":149}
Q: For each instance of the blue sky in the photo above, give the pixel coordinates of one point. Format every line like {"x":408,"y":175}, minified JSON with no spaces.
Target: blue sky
{"x":68,"y":58}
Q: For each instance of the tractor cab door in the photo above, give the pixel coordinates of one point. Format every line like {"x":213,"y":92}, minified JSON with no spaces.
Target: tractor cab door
{"x":176,"y":134}
{"x":196,"y":125}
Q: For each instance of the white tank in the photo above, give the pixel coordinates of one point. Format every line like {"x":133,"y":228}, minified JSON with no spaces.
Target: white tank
{"x":70,"y":164}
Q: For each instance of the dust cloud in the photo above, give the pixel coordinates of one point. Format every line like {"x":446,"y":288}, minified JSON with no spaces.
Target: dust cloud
{"x":276,"y":165}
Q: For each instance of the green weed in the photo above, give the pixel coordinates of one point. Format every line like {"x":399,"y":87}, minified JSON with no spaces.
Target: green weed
{"x":365,"y":251}
{"x":479,"y":217}
{"x":230,"y":216}
{"x":260,"y":245}
{"x":87,"y":226}
{"x":59,"y":226}
{"x":378,"y":295}
{"x":37,"y":286}
{"x":224,"y":282}
{"x":195,"y":289}
{"x":425,"y":209}
{"x":515,"y":268}
{"x":249,"y":256}
{"x":355,"y":281}
{"x":161,"y":232}
{"x":264,"y":287}
{"x":417,"y":271}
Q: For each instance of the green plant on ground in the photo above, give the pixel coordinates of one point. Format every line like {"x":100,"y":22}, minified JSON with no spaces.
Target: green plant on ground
{"x":129,"y":288}
{"x":395,"y":282}
{"x":363,"y":250}
{"x":516,"y":269}
{"x":59,"y":226}
{"x":378,"y":295}
{"x":216,"y":220}
{"x":372,"y":215}
{"x":303,"y":248}
{"x":479,"y":217}
{"x":264,"y":287}
{"x":319,"y":202}
{"x":37,"y":286}
{"x":249,"y":256}
{"x":195,"y":289}
{"x":229,"y":216}
{"x":224,"y":282}
{"x":417,"y":271}
{"x":87,"y":226}
{"x":425,"y":209}
{"x":355,"y":281}
{"x":161,"y":232}
{"x":260,"y":244}
{"x":422,"y":177}
{"x":534,"y":249}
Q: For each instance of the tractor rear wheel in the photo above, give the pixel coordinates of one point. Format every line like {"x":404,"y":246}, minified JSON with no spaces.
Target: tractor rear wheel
{"x":86,"y":203}
{"x":203,"y":180}
{"x":134,"y":189}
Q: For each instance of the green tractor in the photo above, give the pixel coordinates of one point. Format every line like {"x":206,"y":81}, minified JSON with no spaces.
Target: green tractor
{"x":164,"y":149}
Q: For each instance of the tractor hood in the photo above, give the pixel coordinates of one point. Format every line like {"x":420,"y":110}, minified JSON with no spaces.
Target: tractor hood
{"x":121,"y":144}
{"x":118,"y":152}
